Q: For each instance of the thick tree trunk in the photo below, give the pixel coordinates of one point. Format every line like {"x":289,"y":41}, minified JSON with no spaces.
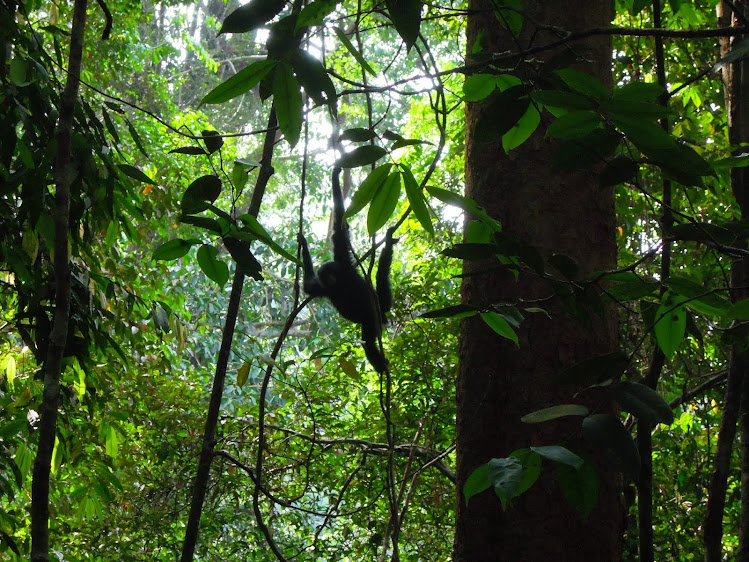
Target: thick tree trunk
{"x":558,"y":213}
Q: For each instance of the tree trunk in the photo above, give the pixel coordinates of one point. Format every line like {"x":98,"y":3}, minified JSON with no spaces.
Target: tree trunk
{"x":558,"y":213}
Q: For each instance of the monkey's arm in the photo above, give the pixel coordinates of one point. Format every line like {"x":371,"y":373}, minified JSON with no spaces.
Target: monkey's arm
{"x":372,"y":350}
{"x":384,"y":293}
{"x":311,"y":283}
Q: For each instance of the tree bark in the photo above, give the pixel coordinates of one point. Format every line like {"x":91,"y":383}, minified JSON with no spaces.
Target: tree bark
{"x":558,"y":213}
{"x":64,"y":173}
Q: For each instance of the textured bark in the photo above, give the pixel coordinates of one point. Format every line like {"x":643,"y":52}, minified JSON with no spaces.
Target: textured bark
{"x":558,"y":213}
{"x":64,"y":173}
{"x":736,"y":395}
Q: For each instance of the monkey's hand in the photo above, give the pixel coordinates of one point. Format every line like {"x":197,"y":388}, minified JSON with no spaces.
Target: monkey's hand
{"x":389,"y":240}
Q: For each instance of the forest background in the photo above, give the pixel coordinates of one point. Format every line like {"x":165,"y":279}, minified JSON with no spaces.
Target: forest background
{"x":166,"y":390}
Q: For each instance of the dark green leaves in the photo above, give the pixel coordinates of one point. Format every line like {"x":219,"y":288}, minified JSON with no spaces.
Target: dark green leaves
{"x":287,"y":99}
{"x":610,"y":438}
{"x":406,"y":18}
{"x":209,"y":263}
{"x":174,"y":249}
{"x":135,"y":173}
{"x":501,"y":114}
{"x":643,"y":402}
{"x":361,"y":156}
{"x":384,"y":203}
{"x":251,"y":16}
{"x":200,"y":193}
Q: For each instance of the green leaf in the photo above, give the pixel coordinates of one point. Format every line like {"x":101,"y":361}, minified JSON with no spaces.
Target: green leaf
{"x":251,"y":16}
{"x":599,"y":368}
{"x":510,"y":15}
{"x":583,"y":83}
{"x":314,"y":13}
{"x":361,"y":156}
{"x":671,"y":323}
{"x":559,"y":454}
{"x":479,"y":86}
{"x":471,"y":251}
{"x":739,"y":310}
{"x":531,"y":462}
{"x":497,"y":323}
{"x":213,"y":140}
{"x":739,"y":51}
{"x":367,"y":190}
{"x":643,"y":402}
{"x":646,"y":135}
{"x":253,"y":225}
{"x":351,"y":49}
{"x":628,"y":286}
{"x":110,"y":126}
{"x":639,"y":91}
{"x":574,"y":125}
{"x":243,"y":373}
{"x":638,"y":109}
{"x":206,"y":223}
{"x":582,"y":153}
{"x":135,"y":173}
{"x":192,"y":150}
{"x":384,"y":203}
{"x":699,"y":298}
{"x":466,"y":204}
{"x":505,"y":476}
{"x":242,"y":82}
{"x":200,"y":193}
{"x":406,"y":18}
{"x":358,"y":135}
{"x":241,"y":254}
{"x":612,"y":441}
{"x":477,"y":482}
{"x":314,"y":78}
{"x":136,"y":137}
{"x":562,"y":99}
{"x":522,"y":130}
{"x":174,"y":249}
{"x":287,"y":99}
{"x":501,"y":113}
{"x":455,"y":311}
{"x":416,"y":200}
{"x":619,"y":170}
{"x":579,"y":487}
{"x":215,"y":269}
{"x":555,"y":412}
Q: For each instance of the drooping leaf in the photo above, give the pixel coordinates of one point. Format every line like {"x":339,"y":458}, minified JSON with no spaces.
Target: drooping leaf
{"x":465,"y":203}
{"x":613,"y":442}
{"x":367,"y":190}
{"x":639,"y":91}
{"x":287,"y":99}
{"x":562,"y":99}
{"x":315,"y":12}
{"x":416,"y":200}
{"x":699,"y":297}
{"x":471,"y":251}
{"x":559,"y":454}
{"x":361,"y":156}
{"x":531,"y":462}
{"x":505,"y":476}
{"x":191,"y":150}
{"x":135,"y":173}
{"x":501,"y":113}
{"x":241,"y":83}
{"x":214,"y":268}
{"x":246,"y":262}
{"x":477,"y":482}
{"x":251,"y":15}
{"x":601,"y":367}
{"x":314,"y":78}
{"x":213,"y":140}
{"x":497,"y":323}
{"x":174,"y":249}
{"x":455,"y":311}
{"x":643,"y":402}
{"x":243,"y":373}
{"x":619,"y":170}
{"x":522,"y":130}
{"x":671,"y":323}
{"x":583,"y":83}
{"x":555,"y":412}
{"x":384,"y":203}
{"x":354,"y":52}
{"x":358,"y":135}
{"x":479,"y":86}
{"x":406,"y":18}
{"x":251,"y":224}
{"x":200,"y":193}
{"x":580,"y":486}
{"x":574,"y":125}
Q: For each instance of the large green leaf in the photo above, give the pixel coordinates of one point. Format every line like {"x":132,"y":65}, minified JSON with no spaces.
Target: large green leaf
{"x":251,"y":15}
{"x":613,"y":442}
{"x":287,"y":99}
{"x":174,"y":249}
{"x":213,"y":267}
{"x":643,"y":402}
{"x":505,"y":476}
{"x":416,"y":200}
{"x":601,"y":367}
{"x":579,"y":486}
{"x":500,"y":114}
{"x":242,"y":82}
{"x":555,"y":412}
{"x":406,"y":18}
{"x":384,"y":203}
{"x":314,"y":78}
{"x":200,"y":193}
{"x":368,"y":188}
{"x":361,"y":156}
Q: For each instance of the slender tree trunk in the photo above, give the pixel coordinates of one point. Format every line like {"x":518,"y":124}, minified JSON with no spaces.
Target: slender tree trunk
{"x":736,"y":396}
{"x":558,"y":213}
{"x":65,"y":173}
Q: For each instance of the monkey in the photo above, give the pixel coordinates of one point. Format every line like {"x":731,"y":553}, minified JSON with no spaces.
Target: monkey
{"x":346,"y":288}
